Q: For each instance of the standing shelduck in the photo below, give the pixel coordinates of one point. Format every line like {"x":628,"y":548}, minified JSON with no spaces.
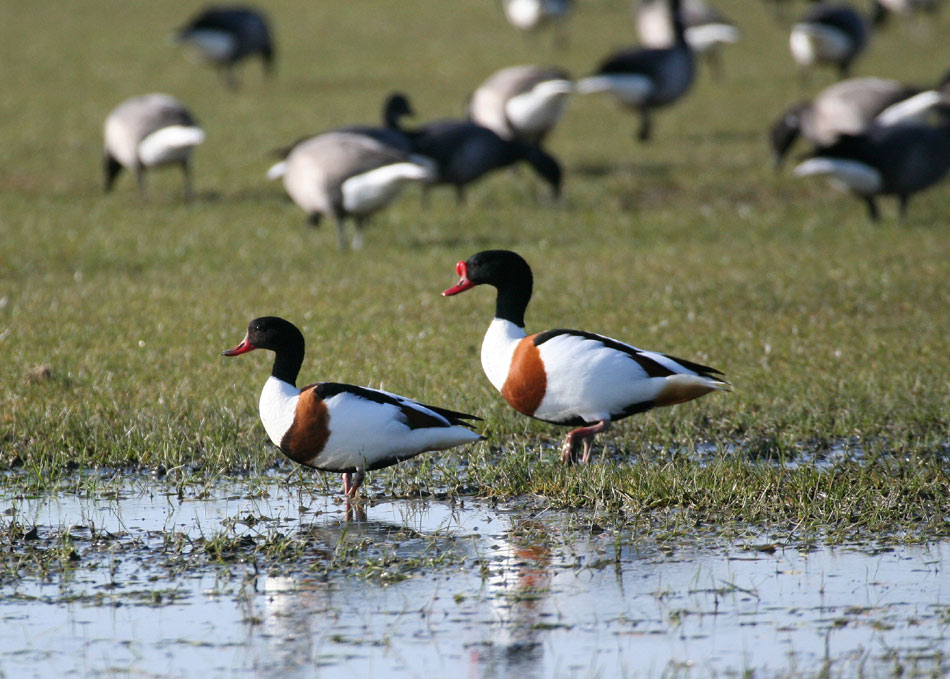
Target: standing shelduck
{"x":340,"y":427}
{"x":571,"y":377}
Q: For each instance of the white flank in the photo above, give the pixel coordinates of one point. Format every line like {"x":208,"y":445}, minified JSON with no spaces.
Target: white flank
{"x":498,"y":347}
{"x":630,"y":89}
{"x":277,"y":170}
{"x":364,"y":432}
{"x":586,"y":378}
{"x":540,"y":108}
{"x":849,"y":175}
{"x":811,"y":43}
{"x":367,"y":192}
{"x":707,"y":36}
{"x":912,"y":109}
{"x":169,"y":144}
{"x":213,"y":45}
{"x":278,"y":405}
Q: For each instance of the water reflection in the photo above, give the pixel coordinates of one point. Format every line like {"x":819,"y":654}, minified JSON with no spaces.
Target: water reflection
{"x":517,"y":589}
{"x":492,"y":592}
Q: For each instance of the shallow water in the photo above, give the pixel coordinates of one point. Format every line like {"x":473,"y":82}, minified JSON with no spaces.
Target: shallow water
{"x":520,"y":593}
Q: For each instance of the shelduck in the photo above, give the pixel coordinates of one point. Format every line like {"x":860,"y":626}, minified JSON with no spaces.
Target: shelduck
{"x":150,"y":131}
{"x":343,"y":428}
{"x":571,"y":377}
{"x":829,"y":34}
{"x":348,"y":175}
{"x":897,"y":160}
{"x":225,"y":35}
{"x":643,"y":78}
{"x":521,"y":102}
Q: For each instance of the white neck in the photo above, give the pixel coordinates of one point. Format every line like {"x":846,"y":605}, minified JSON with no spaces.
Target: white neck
{"x":278,"y":406}
{"x":497,"y":349}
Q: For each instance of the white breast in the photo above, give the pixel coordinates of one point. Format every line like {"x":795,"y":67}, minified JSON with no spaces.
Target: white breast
{"x":498,"y":347}
{"x":278,"y":406}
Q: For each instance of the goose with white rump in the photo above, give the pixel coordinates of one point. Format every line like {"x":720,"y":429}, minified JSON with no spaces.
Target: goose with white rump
{"x":395,"y":107}
{"x":149,"y":131}
{"x":897,"y":160}
{"x":647,"y":78}
{"x":348,"y":175}
{"x":521,"y":102}
{"x":571,"y":377}
{"x":851,"y":107}
{"x":343,"y":428}
{"x":829,"y":34}
{"x":225,"y":35}
{"x":707,"y":29}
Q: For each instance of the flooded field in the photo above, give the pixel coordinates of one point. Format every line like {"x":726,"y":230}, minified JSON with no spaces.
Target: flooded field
{"x":284,"y":583}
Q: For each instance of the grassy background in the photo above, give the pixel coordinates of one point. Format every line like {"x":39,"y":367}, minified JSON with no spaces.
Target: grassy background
{"x":831,"y":329}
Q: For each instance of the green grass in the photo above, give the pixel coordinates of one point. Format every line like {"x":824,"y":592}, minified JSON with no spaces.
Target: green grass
{"x":833,"y":330}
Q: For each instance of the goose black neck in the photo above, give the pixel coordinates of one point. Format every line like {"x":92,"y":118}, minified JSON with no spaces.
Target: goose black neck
{"x":679,"y":28}
{"x":287,"y":361}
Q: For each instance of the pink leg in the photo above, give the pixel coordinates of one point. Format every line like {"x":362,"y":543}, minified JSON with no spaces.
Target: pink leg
{"x":352,"y":482}
{"x":583,"y":435}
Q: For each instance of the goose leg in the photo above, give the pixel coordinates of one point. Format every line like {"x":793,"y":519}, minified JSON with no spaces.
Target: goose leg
{"x":186,"y":179}
{"x":340,"y":234}
{"x":140,"y":179}
{"x":643,"y":134}
{"x":872,"y":209}
{"x":358,"y":233}
{"x":584,"y":435}
{"x":230,"y":80}
{"x":112,"y":169}
{"x":902,"y":201}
